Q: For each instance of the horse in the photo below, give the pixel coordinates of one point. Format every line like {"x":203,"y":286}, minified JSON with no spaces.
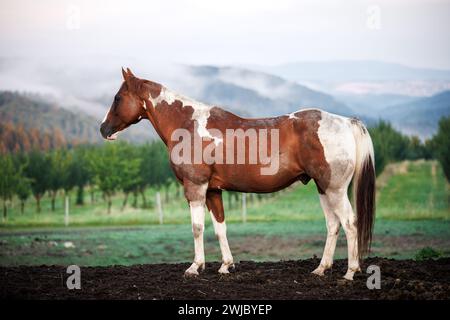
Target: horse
{"x":310,"y":144}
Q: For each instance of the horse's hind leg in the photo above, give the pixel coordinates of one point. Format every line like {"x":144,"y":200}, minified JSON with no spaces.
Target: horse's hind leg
{"x":338,"y":203}
{"x":348,"y":222}
{"x":332,"y":221}
{"x":215,"y":206}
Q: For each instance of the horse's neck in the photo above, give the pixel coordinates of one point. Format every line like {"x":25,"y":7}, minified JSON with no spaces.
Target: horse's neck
{"x":162,"y":112}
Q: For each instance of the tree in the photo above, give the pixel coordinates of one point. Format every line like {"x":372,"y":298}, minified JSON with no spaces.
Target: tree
{"x":80,"y":170}
{"x":441,"y":145}
{"x":9,"y":178}
{"x":156,"y":168}
{"x":105,"y":164}
{"x":129,"y":170}
{"x":68,"y":171}
{"x":389,"y":145}
{"x":23,"y":191}
{"x":23,"y":187}
{"x":38,"y":171}
{"x":55,"y":179}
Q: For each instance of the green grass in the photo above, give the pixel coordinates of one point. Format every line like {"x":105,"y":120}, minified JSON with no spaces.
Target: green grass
{"x":417,"y":194}
{"x":299,"y":203}
{"x":260,"y":241}
{"x":412,"y":214}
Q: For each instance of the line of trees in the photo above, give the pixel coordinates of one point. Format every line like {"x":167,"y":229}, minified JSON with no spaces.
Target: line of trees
{"x":109,"y":168}
{"x":390,"y":145}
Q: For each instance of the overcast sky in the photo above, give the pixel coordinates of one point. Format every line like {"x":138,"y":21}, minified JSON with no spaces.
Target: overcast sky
{"x":411,"y":32}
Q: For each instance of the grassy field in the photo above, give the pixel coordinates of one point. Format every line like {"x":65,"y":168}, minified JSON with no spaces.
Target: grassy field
{"x":412,"y":213}
{"x":261,"y":241}
{"x":407,"y":191}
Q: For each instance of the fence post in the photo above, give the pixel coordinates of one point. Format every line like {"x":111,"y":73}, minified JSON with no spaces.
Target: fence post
{"x":66,"y":210}
{"x":244,"y":207}
{"x":158,"y":205}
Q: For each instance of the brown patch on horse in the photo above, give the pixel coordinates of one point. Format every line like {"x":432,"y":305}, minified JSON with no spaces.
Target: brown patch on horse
{"x":144,"y":87}
{"x":310,"y":149}
{"x":215,"y":204}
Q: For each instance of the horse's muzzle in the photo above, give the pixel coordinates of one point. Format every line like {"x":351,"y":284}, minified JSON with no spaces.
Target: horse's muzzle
{"x":105,"y":130}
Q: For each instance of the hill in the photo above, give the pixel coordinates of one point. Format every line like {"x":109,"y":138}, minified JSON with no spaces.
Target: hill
{"x":33,"y":111}
{"x":420,"y":116}
{"x":259,"y":94}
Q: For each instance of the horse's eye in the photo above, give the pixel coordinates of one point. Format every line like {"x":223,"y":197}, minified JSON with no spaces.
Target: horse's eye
{"x":117,"y":98}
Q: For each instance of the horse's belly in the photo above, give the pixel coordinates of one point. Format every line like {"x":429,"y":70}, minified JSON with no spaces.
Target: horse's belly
{"x":251,"y":178}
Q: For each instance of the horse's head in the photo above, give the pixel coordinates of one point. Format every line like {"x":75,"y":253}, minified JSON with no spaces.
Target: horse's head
{"x":127,"y":106}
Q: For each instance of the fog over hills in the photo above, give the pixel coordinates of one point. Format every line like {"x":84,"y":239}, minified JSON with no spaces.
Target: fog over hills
{"x":419,"y":117}
{"x":86,"y":87}
{"x":363,"y":77}
{"x":259,"y":94}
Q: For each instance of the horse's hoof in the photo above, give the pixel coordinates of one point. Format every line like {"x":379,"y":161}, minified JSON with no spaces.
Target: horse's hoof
{"x":351,"y":272}
{"x":224,"y":268}
{"x":191,"y":273}
{"x":319,"y":272}
{"x":349,"y":276}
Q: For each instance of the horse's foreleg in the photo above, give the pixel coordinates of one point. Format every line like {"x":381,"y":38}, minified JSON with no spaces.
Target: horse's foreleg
{"x":215,"y":206}
{"x":196,"y":195}
{"x":333,"y":224}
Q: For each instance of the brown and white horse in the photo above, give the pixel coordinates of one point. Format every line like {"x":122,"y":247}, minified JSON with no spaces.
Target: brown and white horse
{"x":313,"y":144}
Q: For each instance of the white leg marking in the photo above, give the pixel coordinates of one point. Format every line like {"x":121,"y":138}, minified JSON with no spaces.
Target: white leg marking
{"x":348,"y":220}
{"x":332,"y":234}
{"x":198,"y":226}
{"x":338,"y":203}
{"x":220,"y":229}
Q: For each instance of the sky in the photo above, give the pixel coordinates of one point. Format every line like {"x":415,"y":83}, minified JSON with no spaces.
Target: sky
{"x":231,"y":32}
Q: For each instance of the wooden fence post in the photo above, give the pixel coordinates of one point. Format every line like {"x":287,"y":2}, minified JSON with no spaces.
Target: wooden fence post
{"x":159,"y":206}
{"x":66,"y":210}
{"x":244,"y":207}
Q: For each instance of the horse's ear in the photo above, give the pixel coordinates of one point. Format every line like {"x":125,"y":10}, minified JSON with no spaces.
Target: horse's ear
{"x":124,"y":74}
{"x":130,"y":73}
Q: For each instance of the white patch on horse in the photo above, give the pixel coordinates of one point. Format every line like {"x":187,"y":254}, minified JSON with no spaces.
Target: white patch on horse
{"x":309,"y":109}
{"x":200,"y":115}
{"x":292,"y":115}
{"x":336,"y":136}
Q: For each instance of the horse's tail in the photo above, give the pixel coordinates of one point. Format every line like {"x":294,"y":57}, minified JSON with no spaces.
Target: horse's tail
{"x":364,"y":187}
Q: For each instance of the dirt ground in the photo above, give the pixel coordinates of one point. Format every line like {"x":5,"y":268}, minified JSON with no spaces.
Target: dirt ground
{"x":400,"y":279}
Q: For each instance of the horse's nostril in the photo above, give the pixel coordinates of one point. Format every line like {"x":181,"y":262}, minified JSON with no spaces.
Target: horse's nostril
{"x":103,"y":131}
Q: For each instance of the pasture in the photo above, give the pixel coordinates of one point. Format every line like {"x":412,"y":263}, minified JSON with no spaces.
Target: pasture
{"x":412,"y":214}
